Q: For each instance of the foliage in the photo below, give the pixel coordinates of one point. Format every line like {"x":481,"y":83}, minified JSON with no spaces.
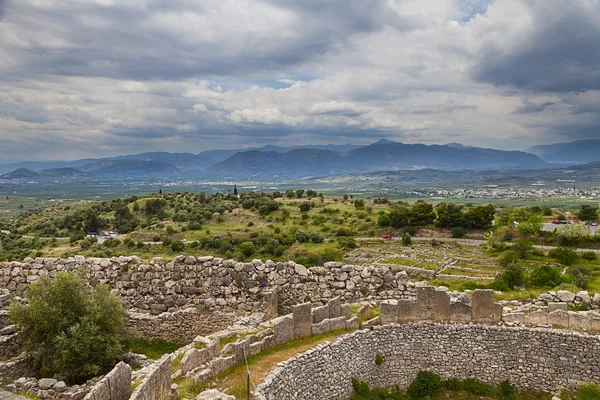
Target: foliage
{"x":564,"y":255}
{"x":523,"y":247}
{"x":588,"y":213}
{"x":573,"y":233}
{"x":581,"y":276}
{"x":406,"y":239}
{"x":449,"y":215}
{"x":246,"y":248}
{"x":379,"y":359}
{"x":71,"y":330}
{"x":533,"y":225}
{"x":512,"y":276}
{"x":589,"y":392}
{"x":589,"y":255}
{"x":545,"y":276}
{"x":425,"y":384}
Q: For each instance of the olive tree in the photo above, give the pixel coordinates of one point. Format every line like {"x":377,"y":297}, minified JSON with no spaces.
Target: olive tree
{"x":71,"y":329}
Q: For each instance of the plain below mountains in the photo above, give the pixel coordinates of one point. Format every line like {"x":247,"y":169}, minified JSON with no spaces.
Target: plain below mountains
{"x":275,"y":163}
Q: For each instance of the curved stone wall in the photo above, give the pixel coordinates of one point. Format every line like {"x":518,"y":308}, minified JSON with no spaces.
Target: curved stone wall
{"x":541,"y":359}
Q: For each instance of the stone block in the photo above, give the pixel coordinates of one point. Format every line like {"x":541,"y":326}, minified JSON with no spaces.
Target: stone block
{"x":321,"y":327}
{"x":388,"y":311}
{"x":254,"y":349}
{"x":284,"y":329}
{"x":218,"y":365}
{"x":441,"y":305}
{"x":514,"y":318}
{"x":365,"y":311}
{"x":202,"y":376}
{"x":353,"y":323}
{"x":213,"y":348}
{"x":302,"y":316}
{"x":460,"y":312}
{"x":558,"y":319}
{"x":594,"y":321}
{"x":267,"y":342}
{"x":539,"y":317}
{"x":557,"y":306}
{"x":579,"y":321}
{"x":193,"y":358}
{"x":406,"y":310}
{"x":346,"y":311}
{"x":483,"y":307}
{"x":425,"y":303}
{"x":336,"y":324}
{"x":241,"y":351}
{"x":157,"y":384}
{"x":119,"y":382}
{"x":320,"y":314}
{"x":372,"y":322}
{"x":335,"y":307}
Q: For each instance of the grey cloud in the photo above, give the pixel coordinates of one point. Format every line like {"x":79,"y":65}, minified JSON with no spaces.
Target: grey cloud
{"x":561,"y":53}
{"x":3,"y":5}
{"x":128,"y":42}
{"x":530,"y":107}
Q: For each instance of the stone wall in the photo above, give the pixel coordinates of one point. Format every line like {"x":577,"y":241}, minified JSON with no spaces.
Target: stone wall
{"x":158,"y":286}
{"x":180,"y":326}
{"x":540,"y":359}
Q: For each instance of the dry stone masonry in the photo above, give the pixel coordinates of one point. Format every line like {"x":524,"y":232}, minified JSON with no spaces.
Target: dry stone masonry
{"x":158,"y":286}
{"x":540,"y":359}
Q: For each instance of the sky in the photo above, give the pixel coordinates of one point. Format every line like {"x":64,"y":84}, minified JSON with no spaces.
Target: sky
{"x":95,"y":78}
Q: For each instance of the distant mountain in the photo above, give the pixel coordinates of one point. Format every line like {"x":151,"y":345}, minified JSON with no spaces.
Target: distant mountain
{"x":578,"y":152}
{"x":220,"y":155}
{"x":570,"y":176}
{"x":382,"y":155}
{"x":21,"y":173}
{"x":24,"y":173}
{"x":130,"y":168}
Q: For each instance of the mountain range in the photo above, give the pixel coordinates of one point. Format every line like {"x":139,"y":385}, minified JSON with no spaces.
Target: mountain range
{"x":291,"y":163}
{"x":578,"y":152}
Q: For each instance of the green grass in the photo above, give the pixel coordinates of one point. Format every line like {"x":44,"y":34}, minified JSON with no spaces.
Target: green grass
{"x":153,"y":349}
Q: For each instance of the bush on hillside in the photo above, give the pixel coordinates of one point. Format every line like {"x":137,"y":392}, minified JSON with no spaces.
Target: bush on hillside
{"x":71,"y":330}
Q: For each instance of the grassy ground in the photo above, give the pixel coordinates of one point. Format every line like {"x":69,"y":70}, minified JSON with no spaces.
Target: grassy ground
{"x":234,"y":380}
{"x":153,"y":349}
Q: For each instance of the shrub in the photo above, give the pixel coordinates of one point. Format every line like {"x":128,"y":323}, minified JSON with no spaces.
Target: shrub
{"x":509,"y":257}
{"x":452,"y":384}
{"x":580,"y":276}
{"x":247,"y":249}
{"x":507,"y":391}
{"x":475,"y":386}
{"x":523,"y":247}
{"x":302,"y":236}
{"x":589,"y":255}
{"x":316,"y":238}
{"x":457,"y":232}
{"x":406,"y":239}
{"x":589,"y":392}
{"x":71,"y":330}
{"x":545,"y":276}
{"x":564,"y":255}
{"x":425,"y":384}
{"x":512,"y":276}
{"x":379,"y":359}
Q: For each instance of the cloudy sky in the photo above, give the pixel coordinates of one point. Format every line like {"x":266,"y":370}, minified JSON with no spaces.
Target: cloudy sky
{"x":85,"y":78}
